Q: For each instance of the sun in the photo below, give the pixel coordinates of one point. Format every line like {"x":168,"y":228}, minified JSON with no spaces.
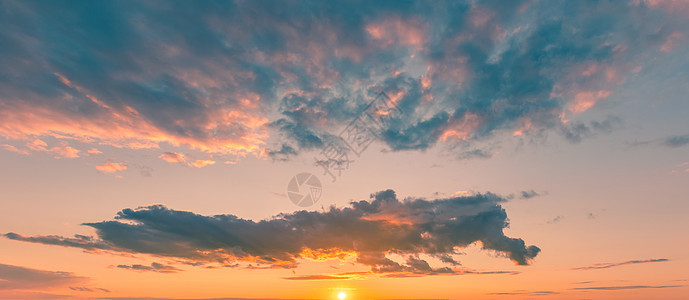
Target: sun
{"x":341,"y":295}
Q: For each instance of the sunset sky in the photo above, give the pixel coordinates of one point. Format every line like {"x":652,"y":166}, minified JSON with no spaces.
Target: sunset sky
{"x":454,"y":149}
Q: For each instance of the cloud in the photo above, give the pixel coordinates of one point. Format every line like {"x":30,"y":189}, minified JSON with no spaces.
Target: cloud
{"x":61,"y":150}
{"x":285,"y":152}
{"x":22,"y":278}
{"x":156,"y":298}
{"x":154,"y":267}
{"x":529,"y":194}
{"x":111,"y":167}
{"x":626,"y":287}
{"x":575,"y":132}
{"x":528,"y":293}
{"x":233,"y":78}
{"x":555,"y":220}
{"x":676,"y":141}
{"x":200,"y":163}
{"x":673,"y":141}
{"x":173,"y":157}
{"x":86,"y":289}
{"x":93,"y":151}
{"x":406,"y":274}
{"x":317,"y":277}
{"x":366,"y":232}
{"x":15,"y":149}
{"x":629,"y":262}
{"x":65,"y":151}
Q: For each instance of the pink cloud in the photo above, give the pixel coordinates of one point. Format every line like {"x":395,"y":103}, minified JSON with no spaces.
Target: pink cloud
{"x":398,"y":31}
{"x":173,"y":157}
{"x":670,"y":6}
{"x":587,"y":99}
{"x":672,"y":42}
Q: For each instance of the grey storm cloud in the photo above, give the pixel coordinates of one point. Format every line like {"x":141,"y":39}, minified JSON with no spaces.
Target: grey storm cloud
{"x":370,"y":229}
{"x":224,"y":73}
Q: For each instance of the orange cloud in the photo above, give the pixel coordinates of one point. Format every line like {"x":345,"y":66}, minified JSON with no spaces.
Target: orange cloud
{"x":202,"y":163}
{"x":62,"y":150}
{"x":173,"y":157}
{"x":93,"y":151}
{"x":111,"y":167}
{"x":65,"y":151}
{"x":37,"y":145}
{"x":463,"y":128}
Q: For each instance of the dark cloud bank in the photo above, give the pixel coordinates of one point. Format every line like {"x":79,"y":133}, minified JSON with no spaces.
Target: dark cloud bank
{"x":369,"y":229}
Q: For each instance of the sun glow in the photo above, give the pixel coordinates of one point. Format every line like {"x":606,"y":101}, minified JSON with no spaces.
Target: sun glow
{"x":341,"y":295}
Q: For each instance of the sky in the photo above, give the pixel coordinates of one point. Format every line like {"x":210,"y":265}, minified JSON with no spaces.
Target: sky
{"x":344,"y":149}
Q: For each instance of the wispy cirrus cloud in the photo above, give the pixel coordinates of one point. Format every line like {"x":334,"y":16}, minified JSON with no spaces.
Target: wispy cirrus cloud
{"x":366,"y":233}
{"x":626,"y":287}
{"x":215,"y":79}
{"x":629,"y":262}
{"x":404,"y":274}
{"x":154,"y":267}
{"x":86,"y":289}
{"x":525,"y":293}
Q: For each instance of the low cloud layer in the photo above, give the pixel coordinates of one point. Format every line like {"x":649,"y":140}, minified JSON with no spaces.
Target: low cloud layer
{"x":626,"y":287}
{"x":366,"y":232}
{"x":22,"y":278}
{"x":525,"y":293}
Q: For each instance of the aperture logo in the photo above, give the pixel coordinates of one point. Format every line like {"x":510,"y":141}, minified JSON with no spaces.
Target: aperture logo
{"x":304,"y":189}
